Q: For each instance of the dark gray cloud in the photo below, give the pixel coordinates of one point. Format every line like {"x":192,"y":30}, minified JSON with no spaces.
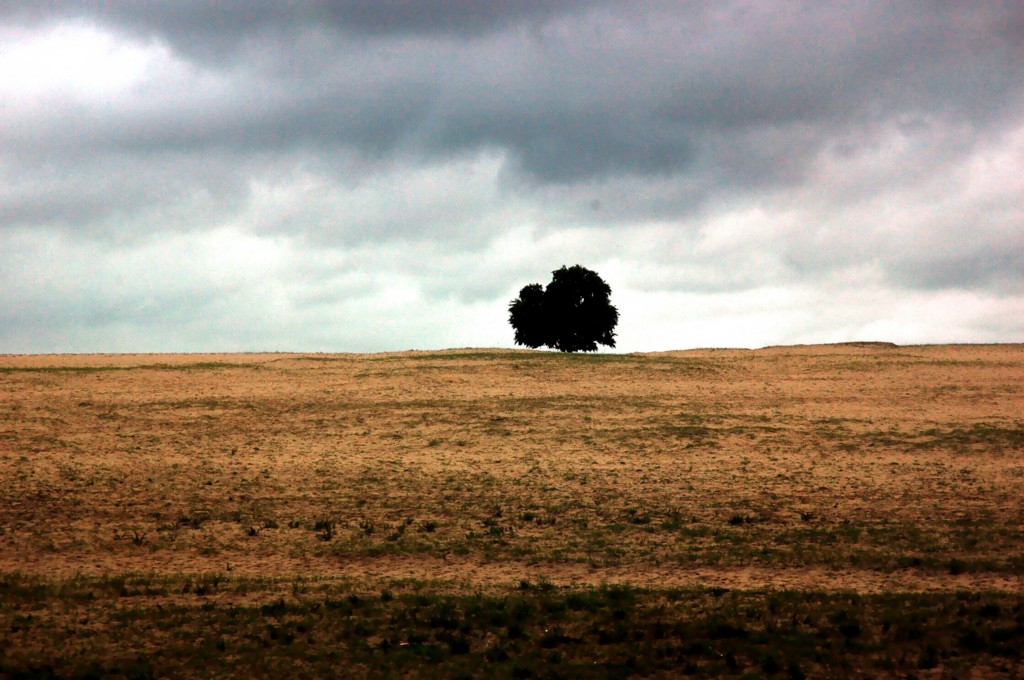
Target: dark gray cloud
{"x":978,"y":268}
{"x":581,"y":92}
{"x":221,"y":29}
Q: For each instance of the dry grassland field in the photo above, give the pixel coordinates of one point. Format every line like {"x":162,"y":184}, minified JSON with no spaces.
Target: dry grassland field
{"x":823,"y":511}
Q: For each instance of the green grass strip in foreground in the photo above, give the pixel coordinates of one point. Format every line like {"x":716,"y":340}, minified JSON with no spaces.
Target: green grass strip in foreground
{"x":140,"y":628}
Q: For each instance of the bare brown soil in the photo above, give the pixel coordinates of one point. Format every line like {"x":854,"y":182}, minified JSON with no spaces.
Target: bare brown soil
{"x":863,"y":467}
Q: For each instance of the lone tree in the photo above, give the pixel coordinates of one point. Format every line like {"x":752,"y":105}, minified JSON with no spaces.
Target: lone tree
{"x":573,"y":314}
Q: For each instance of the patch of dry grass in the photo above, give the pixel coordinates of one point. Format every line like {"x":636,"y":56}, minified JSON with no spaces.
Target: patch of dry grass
{"x":847,"y":468}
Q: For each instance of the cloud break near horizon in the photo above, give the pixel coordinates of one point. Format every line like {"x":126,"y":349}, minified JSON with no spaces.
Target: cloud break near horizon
{"x":382,"y":175}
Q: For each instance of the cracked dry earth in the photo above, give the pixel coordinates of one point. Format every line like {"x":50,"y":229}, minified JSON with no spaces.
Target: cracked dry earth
{"x":860,"y":467}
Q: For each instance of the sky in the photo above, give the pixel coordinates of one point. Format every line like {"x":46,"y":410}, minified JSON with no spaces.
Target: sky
{"x":378,"y":175}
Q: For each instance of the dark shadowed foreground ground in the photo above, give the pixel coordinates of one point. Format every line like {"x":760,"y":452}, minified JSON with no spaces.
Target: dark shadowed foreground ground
{"x":845,"y":510}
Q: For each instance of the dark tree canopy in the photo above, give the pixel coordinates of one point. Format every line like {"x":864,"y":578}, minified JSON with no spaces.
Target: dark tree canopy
{"x":573,"y":314}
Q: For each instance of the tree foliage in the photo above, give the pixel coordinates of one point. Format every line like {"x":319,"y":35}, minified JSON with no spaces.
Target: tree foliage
{"x":573,"y":314}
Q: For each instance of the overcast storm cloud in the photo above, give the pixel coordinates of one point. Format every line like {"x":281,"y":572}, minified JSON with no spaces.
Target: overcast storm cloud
{"x":378,"y":175}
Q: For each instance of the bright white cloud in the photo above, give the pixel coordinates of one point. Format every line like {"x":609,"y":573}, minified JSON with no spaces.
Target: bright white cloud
{"x":73,"y":60}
